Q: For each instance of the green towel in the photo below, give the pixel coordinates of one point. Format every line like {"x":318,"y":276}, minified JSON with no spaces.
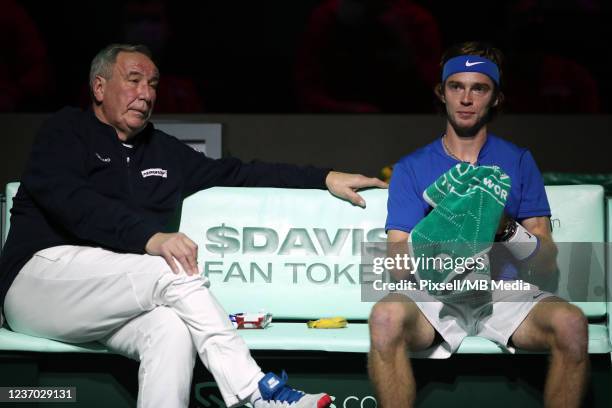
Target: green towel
{"x":468,"y":203}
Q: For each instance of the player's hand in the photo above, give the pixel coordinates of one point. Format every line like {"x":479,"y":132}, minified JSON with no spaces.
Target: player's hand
{"x":175,"y":247}
{"x":345,"y":185}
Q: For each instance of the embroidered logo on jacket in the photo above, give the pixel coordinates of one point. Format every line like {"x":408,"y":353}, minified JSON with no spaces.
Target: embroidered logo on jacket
{"x":155,"y":172}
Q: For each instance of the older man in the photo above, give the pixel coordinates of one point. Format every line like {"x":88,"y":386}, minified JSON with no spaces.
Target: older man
{"x":87,"y":259}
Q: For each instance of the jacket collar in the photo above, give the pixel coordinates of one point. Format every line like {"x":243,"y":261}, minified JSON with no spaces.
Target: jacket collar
{"x":108,"y":130}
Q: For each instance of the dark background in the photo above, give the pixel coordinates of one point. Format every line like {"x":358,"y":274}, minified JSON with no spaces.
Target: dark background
{"x":244,"y":56}
{"x":248,"y":64}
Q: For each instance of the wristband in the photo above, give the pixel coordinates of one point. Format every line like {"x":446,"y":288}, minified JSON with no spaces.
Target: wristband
{"x":521,"y":243}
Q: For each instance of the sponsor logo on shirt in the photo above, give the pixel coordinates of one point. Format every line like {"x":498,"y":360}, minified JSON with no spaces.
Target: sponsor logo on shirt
{"x":154,"y":172}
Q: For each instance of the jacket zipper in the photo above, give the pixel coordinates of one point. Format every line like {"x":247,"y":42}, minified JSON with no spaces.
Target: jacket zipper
{"x":129,"y":171}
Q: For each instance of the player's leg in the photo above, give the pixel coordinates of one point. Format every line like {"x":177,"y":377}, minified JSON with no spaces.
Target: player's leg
{"x":396,"y":326}
{"x":554,"y":324}
{"x":160,"y":341}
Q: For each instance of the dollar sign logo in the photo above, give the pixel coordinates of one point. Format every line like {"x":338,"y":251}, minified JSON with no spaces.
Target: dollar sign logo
{"x":223,"y":240}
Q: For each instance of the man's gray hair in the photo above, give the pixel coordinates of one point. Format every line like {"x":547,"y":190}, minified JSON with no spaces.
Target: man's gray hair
{"x":103,"y":62}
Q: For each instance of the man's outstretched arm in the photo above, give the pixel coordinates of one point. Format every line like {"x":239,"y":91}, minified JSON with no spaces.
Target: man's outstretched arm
{"x":345,"y":185}
{"x":201,"y":172}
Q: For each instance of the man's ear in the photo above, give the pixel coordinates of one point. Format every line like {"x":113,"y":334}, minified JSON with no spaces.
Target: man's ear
{"x":440,"y":93}
{"x":99,"y":85}
{"x":499,"y":100}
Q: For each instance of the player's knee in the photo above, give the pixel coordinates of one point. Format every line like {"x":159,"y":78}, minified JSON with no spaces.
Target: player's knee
{"x":570,"y":332}
{"x":389,"y":325}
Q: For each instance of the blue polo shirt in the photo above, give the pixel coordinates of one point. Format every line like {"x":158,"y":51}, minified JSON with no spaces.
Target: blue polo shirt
{"x":416,"y":171}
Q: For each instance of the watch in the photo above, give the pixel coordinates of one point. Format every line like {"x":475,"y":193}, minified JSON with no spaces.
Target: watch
{"x":508,"y":232}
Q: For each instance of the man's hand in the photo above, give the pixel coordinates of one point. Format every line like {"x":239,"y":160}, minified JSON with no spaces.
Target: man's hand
{"x":175,"y":247}
{"x":344,"y":185}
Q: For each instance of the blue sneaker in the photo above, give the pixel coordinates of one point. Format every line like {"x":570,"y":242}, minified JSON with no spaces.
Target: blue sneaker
{"x":275,"y":393}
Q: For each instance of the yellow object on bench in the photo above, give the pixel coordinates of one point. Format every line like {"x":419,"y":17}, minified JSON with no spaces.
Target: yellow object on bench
{"x":328,"y":323}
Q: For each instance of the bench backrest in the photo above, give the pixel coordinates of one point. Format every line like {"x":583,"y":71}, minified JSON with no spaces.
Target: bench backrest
{"x":296,"y":253}
{"x":326,"y":281}
{"x":578,"y":220}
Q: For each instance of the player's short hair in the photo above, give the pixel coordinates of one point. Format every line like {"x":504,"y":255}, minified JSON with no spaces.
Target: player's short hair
{"x":102,"y":64}
{"x":481,"y":49}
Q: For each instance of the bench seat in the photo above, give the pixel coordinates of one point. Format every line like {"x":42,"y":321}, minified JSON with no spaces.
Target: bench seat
{"x":294,"y":337}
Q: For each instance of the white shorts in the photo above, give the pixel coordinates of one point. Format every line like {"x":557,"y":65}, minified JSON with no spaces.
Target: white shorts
{"x":495,"y":316}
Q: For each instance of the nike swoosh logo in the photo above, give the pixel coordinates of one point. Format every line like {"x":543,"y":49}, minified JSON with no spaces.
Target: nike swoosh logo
{"x":469,"y":64}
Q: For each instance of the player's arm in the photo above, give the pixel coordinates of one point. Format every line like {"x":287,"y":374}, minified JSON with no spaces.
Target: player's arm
{"x":545,"y":260}
{"x":530,"y":240}
{"x":534,"y":201}
{"x":397,"y":244}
